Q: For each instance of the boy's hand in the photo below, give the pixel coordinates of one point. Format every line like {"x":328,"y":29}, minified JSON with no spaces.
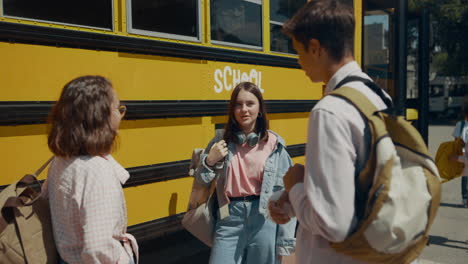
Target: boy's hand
{"x":294,"y":175}
{"x":277,"y":211}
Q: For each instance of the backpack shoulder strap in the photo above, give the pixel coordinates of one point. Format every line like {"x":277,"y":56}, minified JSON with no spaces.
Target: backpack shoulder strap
{"x":371,"y":85}
{"x":219,"y":134}
{"x":43,"y":166}
{"x":357,"y":99}
{"x":367,"y":109}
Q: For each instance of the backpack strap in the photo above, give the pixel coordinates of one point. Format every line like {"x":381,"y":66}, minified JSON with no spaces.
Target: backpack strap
{"x":31,"y":180}
{"x":372,"y":85}
{"x":367,"y":109}
{"x":357,"y":99}
{"x":43,"y":166}
{"x":219,"y":134}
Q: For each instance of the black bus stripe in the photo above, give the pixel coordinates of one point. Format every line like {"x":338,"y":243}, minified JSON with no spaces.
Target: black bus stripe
{"x":156,"y":228}
{"x":35,"y":112}
{"x":174,"y":170}
{"x":13,"y":32}
{"x":179,"y":169}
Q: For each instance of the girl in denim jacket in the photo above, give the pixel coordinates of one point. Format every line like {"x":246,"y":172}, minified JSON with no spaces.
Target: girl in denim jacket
{"x":254,"y":161}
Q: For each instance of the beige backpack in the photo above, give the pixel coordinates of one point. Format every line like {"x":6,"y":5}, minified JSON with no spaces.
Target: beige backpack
{"x":200,"y":218}
{"x":25,"y":226}
{"x":397,"y":192}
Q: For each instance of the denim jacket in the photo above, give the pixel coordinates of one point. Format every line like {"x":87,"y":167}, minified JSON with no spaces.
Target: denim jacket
{"x":276,"y":166}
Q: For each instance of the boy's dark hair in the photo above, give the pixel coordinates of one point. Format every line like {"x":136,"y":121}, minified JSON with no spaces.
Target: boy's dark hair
{"x":329,"y":21}
{"x":80,"y":120}
{"x":232,"y":127}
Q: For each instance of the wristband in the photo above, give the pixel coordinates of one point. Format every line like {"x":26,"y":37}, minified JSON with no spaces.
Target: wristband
{"x":206,"y":164}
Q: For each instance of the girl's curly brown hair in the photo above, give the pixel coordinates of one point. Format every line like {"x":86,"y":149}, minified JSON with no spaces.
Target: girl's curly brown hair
{"x":80,"y":119}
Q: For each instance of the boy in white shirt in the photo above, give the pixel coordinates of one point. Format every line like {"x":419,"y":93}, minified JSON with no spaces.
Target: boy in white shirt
{"x":322,"y":193}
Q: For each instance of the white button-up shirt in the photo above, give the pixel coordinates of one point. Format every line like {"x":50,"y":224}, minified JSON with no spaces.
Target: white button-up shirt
{"x":89,"y":215}
{"x":337,"y":144}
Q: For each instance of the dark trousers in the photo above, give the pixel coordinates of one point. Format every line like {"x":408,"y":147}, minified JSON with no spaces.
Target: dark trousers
{"x":464,"y":186}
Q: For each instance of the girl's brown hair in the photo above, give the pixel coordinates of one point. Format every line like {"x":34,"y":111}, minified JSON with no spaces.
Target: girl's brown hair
{"x":232,"y":127}
{"x":80,"y":120}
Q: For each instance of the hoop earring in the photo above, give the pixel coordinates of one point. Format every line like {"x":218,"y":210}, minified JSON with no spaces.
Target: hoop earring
{"x":259,"y":114}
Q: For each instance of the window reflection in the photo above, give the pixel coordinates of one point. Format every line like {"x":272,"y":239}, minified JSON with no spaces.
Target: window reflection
{"x":436,"y":91}
{"x":179,"y":17}
{"x":85,"y":12}
{"x":237,"y":21}
{"x":412,"y":60}
{"x":377,"y":48}
{"x":280,"y":11}
{"x":279,"y":41}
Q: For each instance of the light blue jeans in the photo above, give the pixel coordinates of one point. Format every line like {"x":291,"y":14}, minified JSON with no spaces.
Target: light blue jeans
{"x":244,"y":237}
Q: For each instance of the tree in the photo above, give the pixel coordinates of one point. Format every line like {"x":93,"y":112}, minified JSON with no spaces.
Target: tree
{"x":450,"y":36}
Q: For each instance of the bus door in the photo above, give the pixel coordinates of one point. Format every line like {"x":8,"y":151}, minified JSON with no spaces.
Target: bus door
{"x":417,"y":93}
{"x":395,"y":56}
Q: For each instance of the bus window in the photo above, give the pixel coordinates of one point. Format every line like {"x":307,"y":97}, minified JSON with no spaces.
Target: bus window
{"x":464,"y":89}
{"x":412,"y":91}
{"x":90,"y":13}
{"x":237,"y":22}
{"x":377,"y":48}
{"x":457,"y":90}
{"x":177,"y":19}
{"x":280,"y":11}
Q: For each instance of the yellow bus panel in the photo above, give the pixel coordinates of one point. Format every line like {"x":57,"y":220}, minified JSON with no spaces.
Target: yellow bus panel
{"x":45,"y":70}
{"x":156,"y":200}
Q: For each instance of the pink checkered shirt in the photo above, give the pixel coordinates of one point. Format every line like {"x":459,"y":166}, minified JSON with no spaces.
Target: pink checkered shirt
{"x":89,"y":215}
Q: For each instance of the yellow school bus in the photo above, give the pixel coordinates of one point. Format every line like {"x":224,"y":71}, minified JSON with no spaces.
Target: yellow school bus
{"x":173,"y":63}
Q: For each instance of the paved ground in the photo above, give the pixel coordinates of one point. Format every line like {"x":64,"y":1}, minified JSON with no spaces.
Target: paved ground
{"x":450,"y":229}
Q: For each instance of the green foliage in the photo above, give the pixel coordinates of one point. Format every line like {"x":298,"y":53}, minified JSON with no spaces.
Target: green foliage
{"x":450,"y":26}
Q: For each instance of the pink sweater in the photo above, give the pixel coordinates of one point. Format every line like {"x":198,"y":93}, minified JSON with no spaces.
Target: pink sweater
{"x":245,"y":171}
